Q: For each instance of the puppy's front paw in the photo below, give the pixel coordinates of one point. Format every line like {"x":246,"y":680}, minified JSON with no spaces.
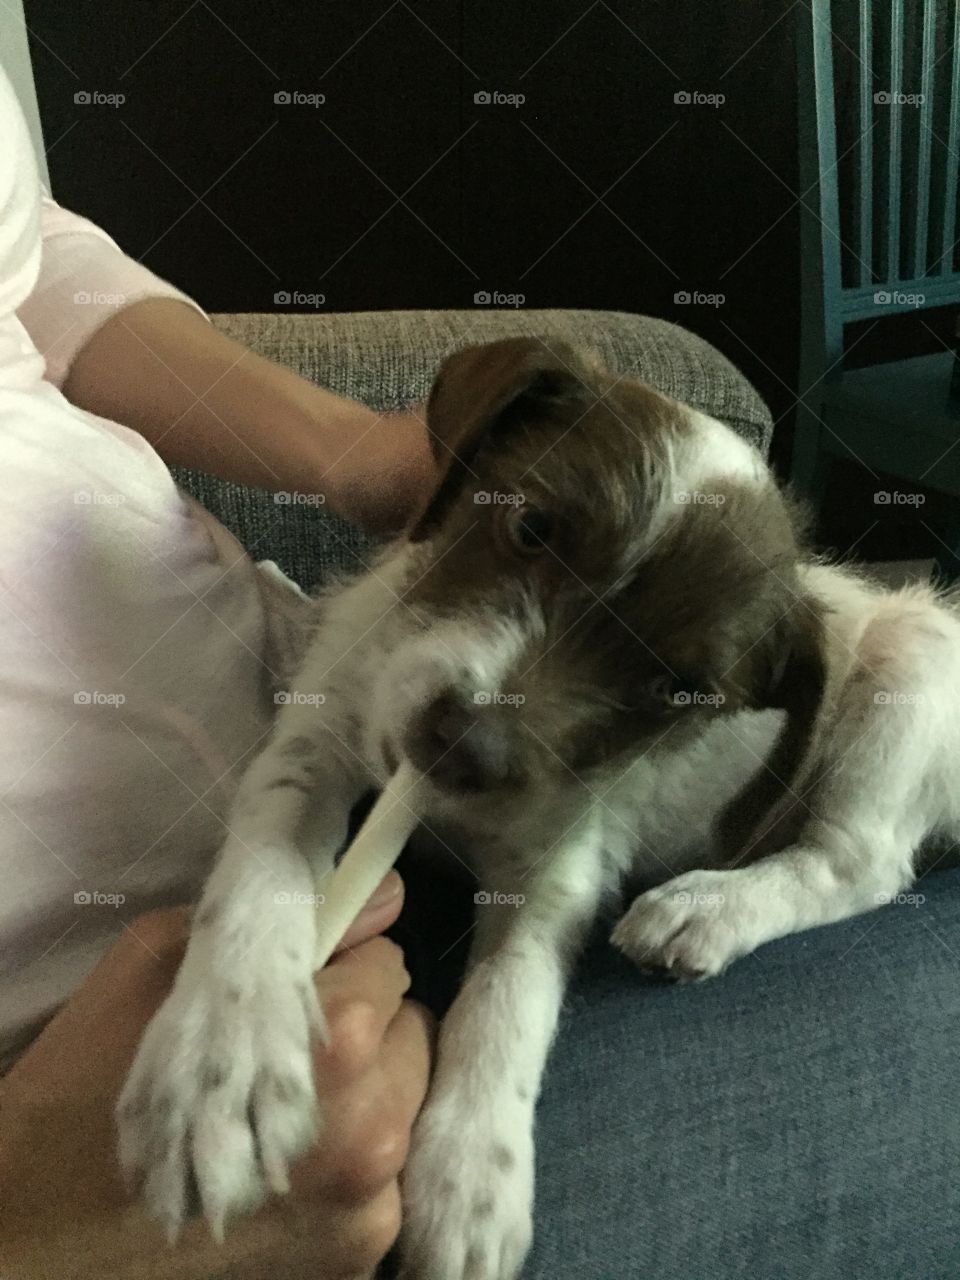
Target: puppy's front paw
{"x":468,"y":1195}
{"x":692,"y":926}
{"x":220,"y":1098}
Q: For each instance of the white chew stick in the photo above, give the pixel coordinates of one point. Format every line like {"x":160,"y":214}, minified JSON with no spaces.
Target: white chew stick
{"x":374,"y":850}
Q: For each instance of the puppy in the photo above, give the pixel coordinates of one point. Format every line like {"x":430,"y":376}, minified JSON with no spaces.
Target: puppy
{"x":602,"y":642}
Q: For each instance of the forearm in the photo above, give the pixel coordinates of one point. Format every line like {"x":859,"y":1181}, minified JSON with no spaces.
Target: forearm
{"x":207,"y":402}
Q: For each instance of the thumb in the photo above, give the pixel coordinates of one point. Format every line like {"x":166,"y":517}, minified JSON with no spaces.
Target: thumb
{"x":382,"y":908}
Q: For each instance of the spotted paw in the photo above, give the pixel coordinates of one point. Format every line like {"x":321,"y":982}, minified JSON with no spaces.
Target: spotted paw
{"x":468,"y":1196}
{"x":220,"y":1099}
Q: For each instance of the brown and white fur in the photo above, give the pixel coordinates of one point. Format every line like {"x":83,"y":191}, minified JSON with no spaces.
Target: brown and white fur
{"x":632,"y":675}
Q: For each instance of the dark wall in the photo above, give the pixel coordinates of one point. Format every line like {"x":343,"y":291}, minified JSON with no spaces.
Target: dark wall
{"x":401,"y":191}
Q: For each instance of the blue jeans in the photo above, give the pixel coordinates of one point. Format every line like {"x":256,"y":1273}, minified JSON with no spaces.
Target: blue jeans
{"x":797,"y":1117}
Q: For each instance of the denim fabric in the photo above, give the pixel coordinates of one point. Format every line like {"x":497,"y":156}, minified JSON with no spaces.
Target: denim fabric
{"x":795,"y":1118}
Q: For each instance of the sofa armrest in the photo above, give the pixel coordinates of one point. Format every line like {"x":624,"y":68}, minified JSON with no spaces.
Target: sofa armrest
{"x":388,"y":359}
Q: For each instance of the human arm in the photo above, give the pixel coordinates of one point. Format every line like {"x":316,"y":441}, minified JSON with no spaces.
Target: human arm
{"x":128,"y":346}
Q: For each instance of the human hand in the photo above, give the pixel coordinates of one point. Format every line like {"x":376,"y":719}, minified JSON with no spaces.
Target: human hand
{"x":63,"y":1209}
{"x":384,"y":472}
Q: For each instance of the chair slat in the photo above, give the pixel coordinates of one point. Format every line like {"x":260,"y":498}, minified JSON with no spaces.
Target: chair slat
{"x":894,"y":181}
{"x":864,"y":151}
{"x":917,"y":263}
{"x":949,"y":231}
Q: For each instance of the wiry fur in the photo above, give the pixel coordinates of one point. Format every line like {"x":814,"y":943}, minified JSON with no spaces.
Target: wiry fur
{"x":816,"y":748}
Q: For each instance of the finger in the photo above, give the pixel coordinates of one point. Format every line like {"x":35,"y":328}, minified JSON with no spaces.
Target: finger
{"x":376,"y":1151}
{"x":380,"y":912}
{"x":360,"y":990}
{"x":366,"y":1140}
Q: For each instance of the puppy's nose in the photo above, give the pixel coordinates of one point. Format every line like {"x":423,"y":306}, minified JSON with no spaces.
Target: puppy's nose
{"x":462,"y":745}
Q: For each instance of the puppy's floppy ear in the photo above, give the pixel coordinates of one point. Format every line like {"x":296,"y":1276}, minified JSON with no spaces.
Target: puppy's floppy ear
{"x":794,"y":682}
{"x":482,"y":393}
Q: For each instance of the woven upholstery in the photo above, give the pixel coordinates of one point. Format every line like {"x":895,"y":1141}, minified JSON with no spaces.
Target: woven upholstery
{"x":387,"y":359}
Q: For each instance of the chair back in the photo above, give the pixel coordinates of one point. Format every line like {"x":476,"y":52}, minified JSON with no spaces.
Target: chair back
{"x":879,"y":118}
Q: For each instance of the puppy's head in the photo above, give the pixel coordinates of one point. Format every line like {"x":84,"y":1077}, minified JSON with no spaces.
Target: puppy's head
{"x":600,"y":570}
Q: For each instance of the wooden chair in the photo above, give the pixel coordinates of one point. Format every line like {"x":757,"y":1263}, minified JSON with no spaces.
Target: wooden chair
{"x":879,"y":234}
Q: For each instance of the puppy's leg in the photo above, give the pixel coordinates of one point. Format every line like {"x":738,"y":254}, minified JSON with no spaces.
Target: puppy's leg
{"x":468,"y":1185}
{"x":221,"y":1091}
{"x":875,"y":785}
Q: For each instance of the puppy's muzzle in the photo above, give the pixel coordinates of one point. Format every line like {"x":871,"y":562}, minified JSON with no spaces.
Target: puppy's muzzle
{"x":463,"y":746}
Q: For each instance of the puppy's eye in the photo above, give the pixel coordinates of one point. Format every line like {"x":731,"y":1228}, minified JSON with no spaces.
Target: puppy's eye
{"x":673,"y":691}
{"x":529,"y":529}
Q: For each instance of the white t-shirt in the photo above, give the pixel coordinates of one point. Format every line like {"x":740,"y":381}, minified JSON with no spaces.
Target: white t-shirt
{"x":136,"y":658}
